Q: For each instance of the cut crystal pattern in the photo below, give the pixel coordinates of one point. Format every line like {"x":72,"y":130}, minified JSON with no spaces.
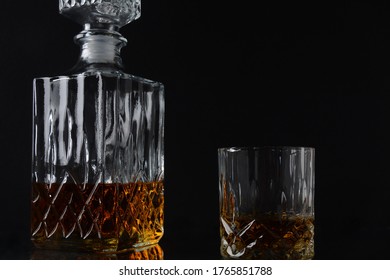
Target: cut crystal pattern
{"x":98,"y":161}
{"x":106,"y":216}
{"x":266,"y":203}
{"x":118,"y":12}
{"x":98,"y":151}
{"x":267,"y":237}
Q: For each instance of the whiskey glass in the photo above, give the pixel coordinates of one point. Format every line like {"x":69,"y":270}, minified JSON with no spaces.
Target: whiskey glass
{"x":266,"y":198}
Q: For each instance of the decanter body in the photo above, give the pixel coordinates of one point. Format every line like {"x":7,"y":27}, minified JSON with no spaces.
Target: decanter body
{"x":98,"y":151}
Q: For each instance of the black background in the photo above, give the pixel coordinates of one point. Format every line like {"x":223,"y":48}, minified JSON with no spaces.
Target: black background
{"x":244,"y":73}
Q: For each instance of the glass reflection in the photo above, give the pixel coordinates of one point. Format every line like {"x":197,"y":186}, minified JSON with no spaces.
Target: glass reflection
{"x":149,"y":253}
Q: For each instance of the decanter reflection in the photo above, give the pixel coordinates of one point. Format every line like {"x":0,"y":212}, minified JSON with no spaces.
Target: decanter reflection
{"x":147,"y":253}
{"x":98,"y":151}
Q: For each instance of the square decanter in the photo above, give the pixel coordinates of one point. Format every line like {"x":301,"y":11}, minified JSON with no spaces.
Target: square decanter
{"x":98,"y":150}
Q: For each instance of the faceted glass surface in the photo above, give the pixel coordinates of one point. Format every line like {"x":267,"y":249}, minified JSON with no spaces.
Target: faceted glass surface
{"x":98,"y":151}
{"x":116,"y":12}
{"x":266,"y":202}
{"x":98,"y":162}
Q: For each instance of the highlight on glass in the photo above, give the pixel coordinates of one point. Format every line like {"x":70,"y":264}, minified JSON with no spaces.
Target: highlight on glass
{"x":266,"y":198}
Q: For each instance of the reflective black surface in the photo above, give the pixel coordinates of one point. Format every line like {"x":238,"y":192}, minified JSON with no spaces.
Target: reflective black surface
{"x":236,"y":74}
{"x":357,"y":244}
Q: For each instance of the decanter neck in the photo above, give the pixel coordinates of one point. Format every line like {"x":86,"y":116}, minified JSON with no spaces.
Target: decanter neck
{"x":100,"y":49}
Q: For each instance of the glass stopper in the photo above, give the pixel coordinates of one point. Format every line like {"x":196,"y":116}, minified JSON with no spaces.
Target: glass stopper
{"x":100,"y":13}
